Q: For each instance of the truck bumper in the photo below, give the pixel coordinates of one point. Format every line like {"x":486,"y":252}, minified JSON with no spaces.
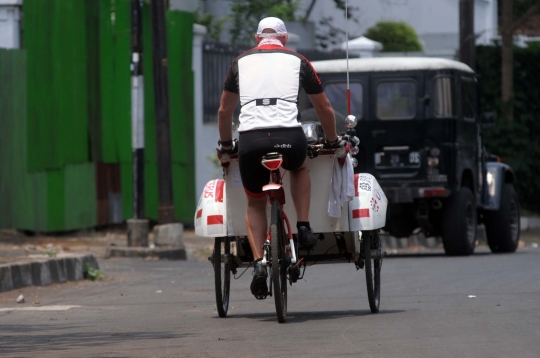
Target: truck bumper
{"x":408,"y":195}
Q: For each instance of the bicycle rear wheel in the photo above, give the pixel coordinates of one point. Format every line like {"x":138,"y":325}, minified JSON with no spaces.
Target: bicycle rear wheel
{"x":371,"y":241}
{"x":222,"y":274}
{"x":278,"y":262}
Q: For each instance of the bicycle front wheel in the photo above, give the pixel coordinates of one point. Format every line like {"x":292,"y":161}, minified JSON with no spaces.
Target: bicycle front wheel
{"x":279,"y":269}
{"x":222,"y":274}
{"x":373,"y":263}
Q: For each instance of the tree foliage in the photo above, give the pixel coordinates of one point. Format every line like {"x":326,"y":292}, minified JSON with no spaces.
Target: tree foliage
{"x":246,"y":14}
{"x":394,"y":36}
{"x":213,"y":26}
{"x":516,"y":141}
{"x":513,"y":15}
{"x":521,"y":11}
{"x":328,"y":34}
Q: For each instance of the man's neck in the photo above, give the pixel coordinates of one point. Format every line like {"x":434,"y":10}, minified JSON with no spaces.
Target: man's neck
{"x":270,"y":41}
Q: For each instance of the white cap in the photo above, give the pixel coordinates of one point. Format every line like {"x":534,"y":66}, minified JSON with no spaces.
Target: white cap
{"x":272,"y":23}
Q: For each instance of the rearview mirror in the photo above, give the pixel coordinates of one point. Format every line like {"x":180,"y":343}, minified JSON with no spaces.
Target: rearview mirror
{"x":351,"y":121}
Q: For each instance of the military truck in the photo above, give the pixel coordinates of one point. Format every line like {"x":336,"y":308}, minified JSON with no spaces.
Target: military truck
{"x":421,"y":135}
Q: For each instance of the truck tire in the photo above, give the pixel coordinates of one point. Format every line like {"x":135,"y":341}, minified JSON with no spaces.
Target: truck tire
{"x":502,"y":226}
{"x":458,"y":227}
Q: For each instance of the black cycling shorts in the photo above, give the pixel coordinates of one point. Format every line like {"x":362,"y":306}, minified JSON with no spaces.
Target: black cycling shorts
{"x":252,"y":145}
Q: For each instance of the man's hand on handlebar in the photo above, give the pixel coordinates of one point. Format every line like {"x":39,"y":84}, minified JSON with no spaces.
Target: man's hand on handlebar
{"x":225,"y":151}
{"x":339,"y":145}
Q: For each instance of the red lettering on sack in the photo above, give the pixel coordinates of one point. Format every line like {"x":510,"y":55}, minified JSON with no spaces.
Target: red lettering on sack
{"x":209,"y":189}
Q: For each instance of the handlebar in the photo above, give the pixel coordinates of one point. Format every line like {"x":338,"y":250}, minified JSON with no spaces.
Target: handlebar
{"x":314,"y":150}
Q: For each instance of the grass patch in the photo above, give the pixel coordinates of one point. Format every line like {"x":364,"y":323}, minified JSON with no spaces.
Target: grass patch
{"x":93,"y":274}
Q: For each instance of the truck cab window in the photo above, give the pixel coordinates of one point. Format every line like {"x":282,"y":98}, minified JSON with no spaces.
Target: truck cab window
{"x":337,"y":94}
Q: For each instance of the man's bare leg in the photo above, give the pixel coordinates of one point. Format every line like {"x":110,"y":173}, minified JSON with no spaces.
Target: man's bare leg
{"x":301,"y":192}
{"x":256,"y":224}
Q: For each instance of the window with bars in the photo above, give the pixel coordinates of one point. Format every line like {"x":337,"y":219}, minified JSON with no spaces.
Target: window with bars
{"x":443,"y":101}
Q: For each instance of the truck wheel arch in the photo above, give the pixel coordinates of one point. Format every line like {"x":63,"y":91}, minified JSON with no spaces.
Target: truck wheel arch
{"x":467,"y":179}
{"x":509,"y":175}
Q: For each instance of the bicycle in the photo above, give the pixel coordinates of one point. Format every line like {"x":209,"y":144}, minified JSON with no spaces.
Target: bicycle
{"x":222,"y":205}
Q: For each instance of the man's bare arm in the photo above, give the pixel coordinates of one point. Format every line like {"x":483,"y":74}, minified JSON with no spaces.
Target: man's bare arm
{"x":225,"y":113}
{"x":326,"y":115}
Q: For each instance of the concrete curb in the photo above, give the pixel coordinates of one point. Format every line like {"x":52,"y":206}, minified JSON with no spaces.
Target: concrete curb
{"x":529,"y":223}
{"x":43,"y":272}
{"x":177,"y":253}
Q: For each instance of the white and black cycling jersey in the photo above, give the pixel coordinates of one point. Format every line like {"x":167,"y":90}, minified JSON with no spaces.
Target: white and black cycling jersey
{"x":268,"y":79}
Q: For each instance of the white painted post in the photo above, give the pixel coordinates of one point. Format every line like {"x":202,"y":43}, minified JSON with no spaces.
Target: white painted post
{"x":201,"y":145}
{"x":10,"y":27}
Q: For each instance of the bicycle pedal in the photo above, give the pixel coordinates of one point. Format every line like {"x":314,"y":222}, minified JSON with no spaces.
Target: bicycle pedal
{"x":294,"y":274}
{"x":261,"y":296}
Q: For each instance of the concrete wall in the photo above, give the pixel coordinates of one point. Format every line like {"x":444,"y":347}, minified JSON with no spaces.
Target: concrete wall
{"x":183,"y":5}
{"x":206,"y":134}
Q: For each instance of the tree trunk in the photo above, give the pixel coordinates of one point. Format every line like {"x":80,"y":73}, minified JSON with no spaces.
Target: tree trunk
{"x":507,"y":57}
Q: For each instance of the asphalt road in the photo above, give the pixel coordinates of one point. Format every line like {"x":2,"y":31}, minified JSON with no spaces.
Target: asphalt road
{"x":167,"y":309}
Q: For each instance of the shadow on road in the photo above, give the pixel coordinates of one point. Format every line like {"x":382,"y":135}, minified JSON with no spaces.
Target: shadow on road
{"x":24,"y":339}
{"x":301,"y":317}
{"x":424,"y":254}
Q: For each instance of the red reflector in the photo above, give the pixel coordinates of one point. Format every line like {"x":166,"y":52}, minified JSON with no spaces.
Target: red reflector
{"x":433,"y":192}
{"x":360,"y":213}
{"x":272,"y":164}
{"x":199,"y":213}
{"x":214,"y":219}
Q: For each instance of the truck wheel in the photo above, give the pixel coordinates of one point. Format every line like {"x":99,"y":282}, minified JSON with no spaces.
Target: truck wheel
{"x":458,"y":227}
{"x":502,"y":226}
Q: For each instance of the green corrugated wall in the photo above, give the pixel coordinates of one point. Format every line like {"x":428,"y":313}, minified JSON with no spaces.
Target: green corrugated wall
{"x":115,"y":98}
{"x":55,"y":38}
{"x":22,"y":194}
{"x":179,"y":42}
{"x":65,"y":103}
{"x":37,"y":200}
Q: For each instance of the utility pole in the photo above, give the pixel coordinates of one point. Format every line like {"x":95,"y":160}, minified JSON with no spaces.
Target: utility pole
{"x":137,"y":109}
{"x":507,"y":57}
{"x":467,"y":40}
{"x":161,"y":95}
{"x":138,"y":227}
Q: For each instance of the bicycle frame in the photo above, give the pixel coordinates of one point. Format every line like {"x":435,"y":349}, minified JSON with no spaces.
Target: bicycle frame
{"x":272,"y":162}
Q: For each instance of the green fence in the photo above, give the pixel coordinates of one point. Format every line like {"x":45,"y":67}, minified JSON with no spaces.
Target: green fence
{"x":44,"y":200}
{"x":65,"y":106}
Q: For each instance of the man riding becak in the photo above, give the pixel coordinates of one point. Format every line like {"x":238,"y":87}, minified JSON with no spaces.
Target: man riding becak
{"x":267,"y":80}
